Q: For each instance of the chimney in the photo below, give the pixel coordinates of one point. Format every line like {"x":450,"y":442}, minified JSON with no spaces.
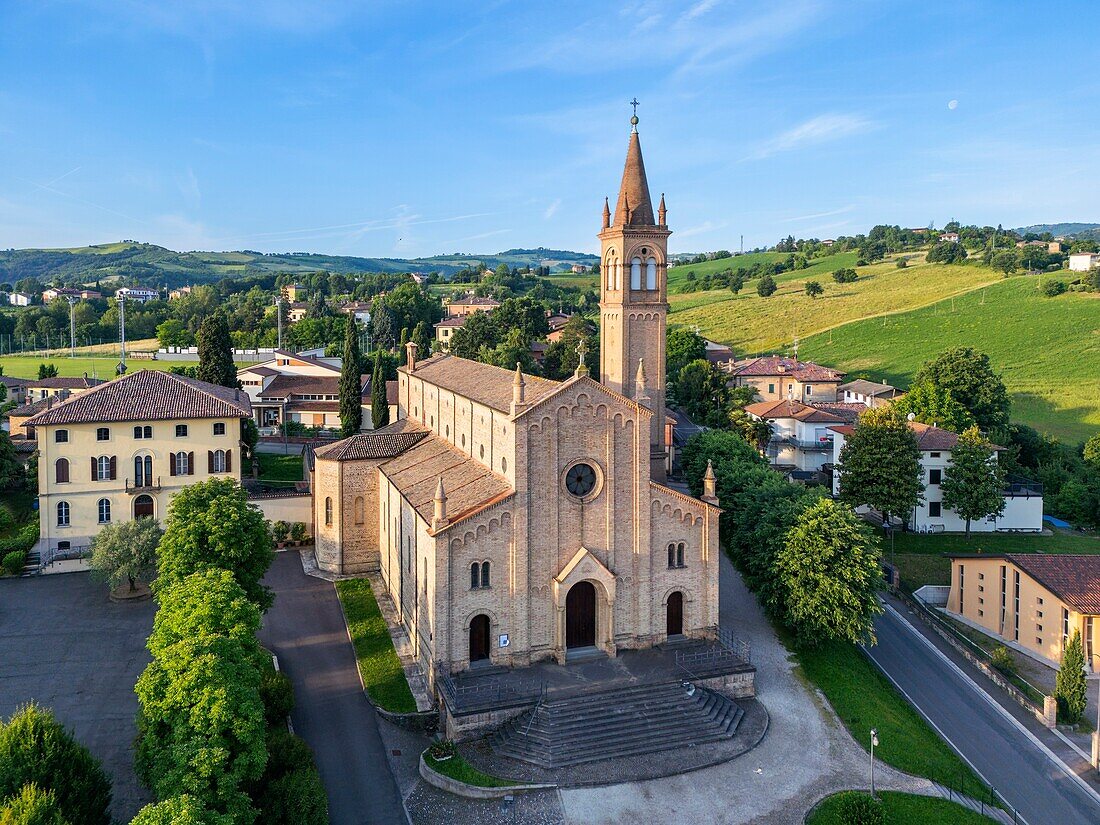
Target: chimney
{"x":709,"y":482}
{"x":410,"y":355}
{"x":439,"y":514}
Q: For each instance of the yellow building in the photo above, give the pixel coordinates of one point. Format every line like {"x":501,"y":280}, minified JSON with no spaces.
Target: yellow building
{"x":1032,"y":601}
{"x":786,"y":379}
{"x":124,"y":448}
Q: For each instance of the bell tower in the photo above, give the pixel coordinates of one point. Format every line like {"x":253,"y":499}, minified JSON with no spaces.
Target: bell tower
{"x":634,"y":296}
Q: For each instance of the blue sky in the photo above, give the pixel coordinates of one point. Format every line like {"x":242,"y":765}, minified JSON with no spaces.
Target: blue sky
{"x":404,"y":128}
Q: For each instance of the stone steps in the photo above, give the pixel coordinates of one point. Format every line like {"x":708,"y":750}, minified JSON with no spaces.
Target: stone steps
{"x":617,"y":723}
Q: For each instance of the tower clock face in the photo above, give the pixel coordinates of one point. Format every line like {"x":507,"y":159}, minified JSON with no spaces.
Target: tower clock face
{"x":580,"y":480}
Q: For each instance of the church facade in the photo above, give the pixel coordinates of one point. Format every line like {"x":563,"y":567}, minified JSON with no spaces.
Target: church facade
{"x":515,"y":519}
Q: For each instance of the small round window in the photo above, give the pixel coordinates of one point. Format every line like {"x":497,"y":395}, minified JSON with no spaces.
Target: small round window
{"x":580,"y":480}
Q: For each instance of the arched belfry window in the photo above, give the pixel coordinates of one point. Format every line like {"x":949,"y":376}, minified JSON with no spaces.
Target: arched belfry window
{"x":635,"y":273}
{"x":651,"y":274}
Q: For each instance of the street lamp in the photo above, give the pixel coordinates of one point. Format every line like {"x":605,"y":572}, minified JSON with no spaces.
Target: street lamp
{"x":874,"y":741}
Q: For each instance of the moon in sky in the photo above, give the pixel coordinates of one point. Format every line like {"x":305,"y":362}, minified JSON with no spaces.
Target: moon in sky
{"x":952,"y":104}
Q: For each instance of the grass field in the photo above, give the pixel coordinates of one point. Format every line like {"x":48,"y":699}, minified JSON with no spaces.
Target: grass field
{"x":26,"y":366}
{"x":1048,"y":349}
{"x":818,"y":269}
{"x":903,"y":809}
{"x":379,"y":667}
{"x":751,"y":324}
{"x":280,"y":469}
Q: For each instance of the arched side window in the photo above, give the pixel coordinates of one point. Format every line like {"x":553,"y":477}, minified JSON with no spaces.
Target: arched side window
{"x":219,"y":461}
{"x":103,"y":468}
{"x":143,"y":471}
{"x":357,"y":509}
{"x":635,"y":273}
{"x":475,"y":576}
{"x":680,"y":554}
{"x":485,"y":574}
{"x":328,"y":511}
{"x":104,"y":508}
{"x":609,"y":271}
{"x":651,"y":274}
{"x":672,"y":555}
{"x":62,"y":514}
{"x":61,"y":470}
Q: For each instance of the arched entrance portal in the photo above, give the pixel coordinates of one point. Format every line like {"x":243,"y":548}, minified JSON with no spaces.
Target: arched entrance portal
{"x":143,"y":506}
{"x":580,"y":615}
{"x":674,"y":625}
{"x":479,"y":638}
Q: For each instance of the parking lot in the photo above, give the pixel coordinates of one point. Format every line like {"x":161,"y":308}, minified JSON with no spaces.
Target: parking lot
{"x":64,"y":645}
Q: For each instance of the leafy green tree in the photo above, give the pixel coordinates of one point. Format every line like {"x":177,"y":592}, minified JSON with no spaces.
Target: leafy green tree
{"x":216,"y":352}
{"x":296,"y":798}
{"x":11,"y":468}
{"x":1092,"y":451}
{"x":126,"y":551}
{"x":880,"y":465}
{"x":379,"y":404}
{"x":480,"y":331}
{"x":932,"y":404}
{"x":766,"y":287}
{"x":523,"y":314}
{"x":1070,"y":683}
{"x":845,"y":275}
{"x":36,"y":748}
{"x":32,"y":806}
{"x":180,"y":810}
{"x":514,"y":349}
{"x":174,"y":333}
{"x":970,"y":378}
{"x":47,"y":371}
{"x":813,"y":289}
{"x":829,"y":571}
{"x":402,"y":350}
{"x":1006,"y":262}
{"x":250,"y":437}
{"x":212,"y":525}
{"x":561,"y":358}
{"x":973,"y":485}
{"x":423,"y":340}
{"x":701,"y":390}
{"x":205,"y":603}
{"x":946,"y":252}
{"x":351,"y":386}
{"x":682,"y":346}
{"x":383,"y":328}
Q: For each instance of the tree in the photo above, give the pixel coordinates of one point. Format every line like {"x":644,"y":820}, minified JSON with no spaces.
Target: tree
{"x":524,"y":314}
{"x":250,"y":437}
{"x":212,"y":525}
{"x":379,"y":403}
{"x":11,"y":468}
{"x":813,"y":289}
{"x":682,"y":346}
{"x":946,"y":252}
{"x":179,"y":810}
{"x":174,"y":333}
{"x":973,"y":485}
{"x":1070,"y":683}
{"x":829,"y":571}
{"x":932,"y":404}
{"x":845,"y":275}
{"x":561,"y":358}
{"x":126,"y":551}
{"x":205,"y":603}
{"x":701,"y":390}
{"x":351,"y":382}
{"x":1092,"y":451}
{"x":1006,"y":262}
{"x":480,"y":331}
{"x":47,"y":371}
{"x":756,"y":431}
{"x":880,"y":465}
{"x":35,"y":748}
{"x":423,"y":340}
{"x":766,"y":287}
{"x":216,"y":352}
{"x":32,"y":806}
{"x":382,"y":324}
{"x":967,"y":373}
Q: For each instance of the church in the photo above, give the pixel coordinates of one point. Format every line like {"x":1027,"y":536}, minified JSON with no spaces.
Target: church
{"x":514,"y":519}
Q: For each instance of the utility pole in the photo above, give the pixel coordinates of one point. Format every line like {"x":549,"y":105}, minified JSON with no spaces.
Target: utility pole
{"x":279,"y":316}
{"x":72,"y":327}
{"x":121,"y":370}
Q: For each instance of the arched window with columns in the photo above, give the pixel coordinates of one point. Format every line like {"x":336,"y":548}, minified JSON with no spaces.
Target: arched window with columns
{"x":651,"y":273}
{"x":635,"y":273}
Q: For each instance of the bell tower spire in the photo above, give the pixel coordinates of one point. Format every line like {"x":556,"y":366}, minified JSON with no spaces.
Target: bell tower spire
{"x":634,"y":295}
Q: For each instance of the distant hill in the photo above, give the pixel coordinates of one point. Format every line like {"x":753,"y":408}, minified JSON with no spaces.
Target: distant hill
{"x":1069,"y":230}
{"x":153,"y":264}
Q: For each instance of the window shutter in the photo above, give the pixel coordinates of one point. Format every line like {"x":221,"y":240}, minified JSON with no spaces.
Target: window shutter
{"x":113,"y":474}
{"x":229,"y":461}
{"x":95,"y":469}
{"x":171,"y":464}
{"x":190,"y":464}
{"x":209,"y":461}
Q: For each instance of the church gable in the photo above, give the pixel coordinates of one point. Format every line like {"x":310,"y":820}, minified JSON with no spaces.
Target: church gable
{"x":582,"y":391}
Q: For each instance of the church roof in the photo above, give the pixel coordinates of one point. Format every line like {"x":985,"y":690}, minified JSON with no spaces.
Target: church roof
{"x":483,"y":383}
{"x":634,"y":190}
{"x":470,"y":485}
{"x":386,"y":442}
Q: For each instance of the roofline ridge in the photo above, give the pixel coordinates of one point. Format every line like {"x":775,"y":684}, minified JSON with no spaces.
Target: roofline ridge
{"x":186,"y":381}
{"x":576,"y":379}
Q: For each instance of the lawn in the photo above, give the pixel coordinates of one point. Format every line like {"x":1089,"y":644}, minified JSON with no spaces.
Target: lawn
{"x":1048,"y":349}
{"x":818,"y":268}
{"x":26,"y":366}
{"x":863,"y":699}
{"x":379,"y":667}
{"x":751,"y":324}
{"x":903,"y":809}
{"x":458,"y":768}
{"x":279,"y":469}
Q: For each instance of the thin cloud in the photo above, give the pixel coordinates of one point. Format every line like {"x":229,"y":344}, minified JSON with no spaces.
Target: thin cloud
{"x":842,"y":210}
{"x":552,"y":209}
{"x":699,"y":9}
{"x":820,"y":129}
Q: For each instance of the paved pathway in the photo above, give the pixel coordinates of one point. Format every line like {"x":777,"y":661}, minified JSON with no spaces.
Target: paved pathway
{"x":306,"y":631}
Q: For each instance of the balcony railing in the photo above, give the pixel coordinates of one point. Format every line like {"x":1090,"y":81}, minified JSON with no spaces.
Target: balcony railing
{"x":791,"y":441}
{"x":1022,"y":487}
{"x":147,"y":485}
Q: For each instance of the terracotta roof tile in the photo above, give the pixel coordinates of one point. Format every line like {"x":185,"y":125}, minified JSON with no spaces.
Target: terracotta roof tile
{"x":387,"y":442}
{"x":283,"y":386}
{"x":792,"y":409}
{"x":873,"y":389}
{"x":1074,"y":579}
{"x":67,"y":383}
{"x":777,"y":365}
{"x":634,"y":197}
{"x":484,"y":383}
{"x":148,"y":395}
{"x":846,"y":410}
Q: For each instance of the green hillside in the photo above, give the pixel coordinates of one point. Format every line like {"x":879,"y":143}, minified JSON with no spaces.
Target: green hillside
{"x":677,"y":275}
{"x":1047,"y":348}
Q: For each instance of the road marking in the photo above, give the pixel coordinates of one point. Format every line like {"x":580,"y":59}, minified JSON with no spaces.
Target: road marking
{"x":995,"y":704}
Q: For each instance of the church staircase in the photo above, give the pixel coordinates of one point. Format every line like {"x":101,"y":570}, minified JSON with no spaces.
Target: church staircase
{"x":612,"y":724}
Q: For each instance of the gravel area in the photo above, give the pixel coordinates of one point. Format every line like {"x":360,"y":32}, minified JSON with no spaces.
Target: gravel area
{"x":428,"y":805}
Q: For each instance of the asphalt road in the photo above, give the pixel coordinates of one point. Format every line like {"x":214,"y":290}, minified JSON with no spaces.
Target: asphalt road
{"x":1023,"y":774}
{"x":306,"y":630}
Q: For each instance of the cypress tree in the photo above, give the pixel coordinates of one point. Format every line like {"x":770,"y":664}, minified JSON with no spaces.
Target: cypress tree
{"x":379,"y":406}
{"x":1070,"y":684}
{"x":402,"y":353}
{"x":216,"y":352}
{"x":351,"y":410}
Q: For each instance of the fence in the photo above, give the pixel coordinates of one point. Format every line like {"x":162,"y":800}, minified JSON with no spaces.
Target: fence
{"x":967,"y":790}
{"x":487,"y":691}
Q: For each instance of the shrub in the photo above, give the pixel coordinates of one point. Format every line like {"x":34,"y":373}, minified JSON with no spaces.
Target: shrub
{"x":298,"y":531}
{"x":766,"y":287}
{"x":14,"y":561}
{"x":36,"y":749}
{"x":277,"y":694}
{"x":846,"y":275}
{"x":902,"y":262}
{"x":6,"y":518}
{"x":442,"y":749}
{"x":861,"y":809}
{"x":1053,"y":288}
{"x":286,"y":753}
{"x":32,"y":806}
{"x":1002,"y":661}
{"x":861,"y":262}
{"x":280,"y":530}
{"x":179,"y":810}
{"x":298,"y":798}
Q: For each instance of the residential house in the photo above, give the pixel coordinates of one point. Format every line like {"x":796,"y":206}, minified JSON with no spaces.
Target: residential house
{"x":58,"y":385}
{"x":76,"y":293}
{"x":468,"y":305}
{"x":447,"y":328}
{"x":179,"y":292}
{"x":122,"y":450}
{"x":1023,"y":511}
{"x":17,"y":416}
{"x":718,"y":353}
{"x":578,"y":269}
{"x":297,"y":311}
{"x":360,"y":310}
{"x":828,"y":242}
{"x":949,"y":237}
{"x":777,"y":378}
{"x":868,"y":393}
{"x":19,"y":299}
{"x":1032,"y":601}
{"x":139,"y":294}
{"x":295,"y":292}
{"x":15,"y":389}
{"x":1083,"y":261}
{"x":801,"y":438}
{"x":420,"y":278}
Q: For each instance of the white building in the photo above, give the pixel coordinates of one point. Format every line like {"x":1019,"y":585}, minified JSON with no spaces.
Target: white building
{"x":19,"y":299}
{"x":1083,"y":261}
{"x":1023,"y":499}
{"x":801,"y":435}
{"x":867,"y":393}
{"x":137,"y":293}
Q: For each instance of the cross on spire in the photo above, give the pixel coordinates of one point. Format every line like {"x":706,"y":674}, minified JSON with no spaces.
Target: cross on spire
{"x":635,"y":104}
{"x":582,"y":351}
{"x":634,"y":117}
